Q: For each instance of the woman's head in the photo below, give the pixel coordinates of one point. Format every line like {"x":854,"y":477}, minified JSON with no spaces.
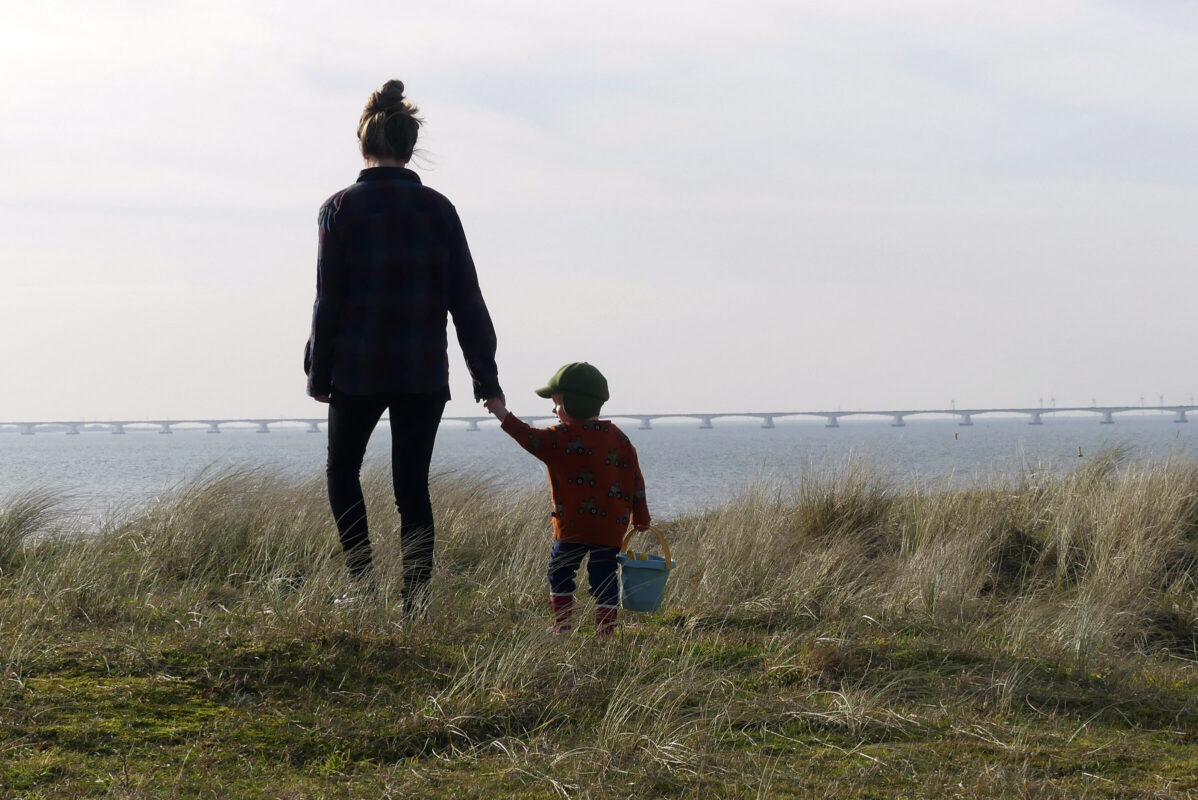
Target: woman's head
{"x":389,"y":124}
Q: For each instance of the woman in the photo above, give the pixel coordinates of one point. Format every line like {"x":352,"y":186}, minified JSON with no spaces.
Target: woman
{"x":392,"y":264}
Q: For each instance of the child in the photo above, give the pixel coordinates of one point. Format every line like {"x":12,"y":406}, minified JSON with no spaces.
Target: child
{"x":597,"y":489}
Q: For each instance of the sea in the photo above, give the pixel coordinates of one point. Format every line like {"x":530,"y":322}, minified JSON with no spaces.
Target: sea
{"x":686,"y":468}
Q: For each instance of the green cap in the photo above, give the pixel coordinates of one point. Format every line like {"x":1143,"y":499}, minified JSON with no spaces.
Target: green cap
{"x":582,"y":387}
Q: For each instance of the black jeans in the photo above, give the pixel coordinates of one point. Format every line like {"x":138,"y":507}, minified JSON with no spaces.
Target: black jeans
{"x":414,"y":421}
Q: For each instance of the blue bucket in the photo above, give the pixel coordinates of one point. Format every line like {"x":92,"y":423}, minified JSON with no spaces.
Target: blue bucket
{"x":643,"y":576}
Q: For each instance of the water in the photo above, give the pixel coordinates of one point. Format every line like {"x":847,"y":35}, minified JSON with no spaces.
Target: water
{"x":686,"y":468}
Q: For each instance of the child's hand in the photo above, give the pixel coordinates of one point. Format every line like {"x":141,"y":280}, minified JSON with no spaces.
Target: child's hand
{"x":496,"y":405}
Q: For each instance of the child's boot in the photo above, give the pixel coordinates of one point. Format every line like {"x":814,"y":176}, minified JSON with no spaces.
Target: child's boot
{"x":563,"y":607}
{"x":605,"y":621}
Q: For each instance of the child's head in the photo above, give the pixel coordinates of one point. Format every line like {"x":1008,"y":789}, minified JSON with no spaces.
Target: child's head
{"x":578,"y":389}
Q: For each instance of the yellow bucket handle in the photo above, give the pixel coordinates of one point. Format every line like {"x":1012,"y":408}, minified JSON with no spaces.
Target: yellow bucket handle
{"x":665,"y":547}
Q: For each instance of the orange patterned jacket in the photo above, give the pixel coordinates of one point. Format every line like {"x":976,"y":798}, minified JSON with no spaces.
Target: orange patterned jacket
{"x":594,"y":475}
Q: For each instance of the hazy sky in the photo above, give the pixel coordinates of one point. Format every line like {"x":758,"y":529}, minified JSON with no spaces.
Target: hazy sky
{"x":724,"y":206}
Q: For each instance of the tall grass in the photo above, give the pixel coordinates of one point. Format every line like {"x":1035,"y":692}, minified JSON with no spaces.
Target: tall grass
{"x":1106,"y":555}
{"x":24,"y":516}
{"x":1102,"y":554}
{"x":1090,"y":567}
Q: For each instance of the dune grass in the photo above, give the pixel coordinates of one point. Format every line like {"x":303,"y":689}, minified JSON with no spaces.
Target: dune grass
{"x":841,"y":637}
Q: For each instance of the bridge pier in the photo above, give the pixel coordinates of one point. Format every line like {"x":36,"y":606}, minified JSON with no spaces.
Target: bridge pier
{"x":213,"y":427}
{"x":966,"y":419}
{"x":263,"y":428}
{"x":646,"y":424}
{"x":164,"y":427}
{"x":1107,"y":418}
{"x":72,"y":429}
{"x":1181,"y":416}
{"x":473,"y":426}
{"x":833,"y":421}
{"x":898,"y":421}
{"x":1036,"y":419}
{"x":769,"y":421}
{"x":313,"y":427}
{"x":705,"y":423}
{"x":118,"y":429}
{"x":27,"y":430}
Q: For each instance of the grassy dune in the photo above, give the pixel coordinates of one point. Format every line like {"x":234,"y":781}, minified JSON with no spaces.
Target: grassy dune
{"x":844,"y":637}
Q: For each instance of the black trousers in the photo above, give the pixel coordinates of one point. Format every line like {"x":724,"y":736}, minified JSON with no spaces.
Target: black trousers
{"x":414,"y":422}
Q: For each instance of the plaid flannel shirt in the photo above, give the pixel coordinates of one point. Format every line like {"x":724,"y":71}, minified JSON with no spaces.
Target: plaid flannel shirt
{"x":393,"y":263}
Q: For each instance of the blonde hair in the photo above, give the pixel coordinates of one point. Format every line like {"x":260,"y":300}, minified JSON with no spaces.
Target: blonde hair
{"x":389,"y":124}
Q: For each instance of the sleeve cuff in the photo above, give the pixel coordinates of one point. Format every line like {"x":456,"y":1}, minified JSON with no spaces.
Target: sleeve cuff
{"x":486,"y":388}
{"x":317,"y":388}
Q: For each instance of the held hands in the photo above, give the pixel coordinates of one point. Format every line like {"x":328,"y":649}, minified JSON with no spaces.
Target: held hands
{"x":497,"y":406}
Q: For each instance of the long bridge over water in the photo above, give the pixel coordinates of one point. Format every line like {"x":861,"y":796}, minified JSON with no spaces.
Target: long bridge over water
{"x":964,"y":416}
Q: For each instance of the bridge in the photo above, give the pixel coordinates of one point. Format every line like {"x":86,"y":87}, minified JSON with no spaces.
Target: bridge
{"x":964,"y":416}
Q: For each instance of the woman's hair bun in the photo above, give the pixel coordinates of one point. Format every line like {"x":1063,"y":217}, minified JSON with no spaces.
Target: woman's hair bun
{"x":388,"y":99}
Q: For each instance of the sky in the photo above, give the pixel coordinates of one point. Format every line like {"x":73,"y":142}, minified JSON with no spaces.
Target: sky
{"x":726,"y":207}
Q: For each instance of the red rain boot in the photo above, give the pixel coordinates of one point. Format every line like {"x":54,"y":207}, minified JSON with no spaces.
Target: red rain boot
{"x":563,"y":607}
{"x":605,"y":621}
